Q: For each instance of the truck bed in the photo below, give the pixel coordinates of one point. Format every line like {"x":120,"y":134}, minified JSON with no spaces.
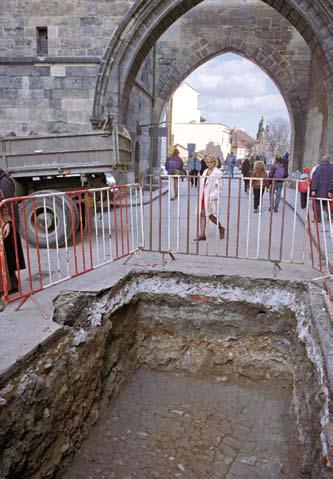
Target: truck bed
{"x":64,"y":154}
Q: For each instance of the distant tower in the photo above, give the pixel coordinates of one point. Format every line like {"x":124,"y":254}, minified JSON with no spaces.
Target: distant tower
{"x":261,"y":131}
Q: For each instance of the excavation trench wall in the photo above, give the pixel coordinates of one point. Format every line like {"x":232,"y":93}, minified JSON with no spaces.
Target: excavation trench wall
{"x":224,"y":326}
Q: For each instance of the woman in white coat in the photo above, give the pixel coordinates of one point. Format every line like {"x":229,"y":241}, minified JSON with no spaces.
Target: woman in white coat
{"x":209,"y":191}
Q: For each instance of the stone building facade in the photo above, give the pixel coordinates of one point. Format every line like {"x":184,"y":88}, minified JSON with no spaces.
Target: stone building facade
{"x":124,"y":59}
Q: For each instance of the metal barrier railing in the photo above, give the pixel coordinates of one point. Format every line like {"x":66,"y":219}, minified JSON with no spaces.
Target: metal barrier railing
{"x":265,"y":223}
{"x":57,"y":236}
{"x":321,"y":233}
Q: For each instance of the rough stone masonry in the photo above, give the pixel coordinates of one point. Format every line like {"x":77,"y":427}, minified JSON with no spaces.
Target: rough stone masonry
{"x":225,"y":327}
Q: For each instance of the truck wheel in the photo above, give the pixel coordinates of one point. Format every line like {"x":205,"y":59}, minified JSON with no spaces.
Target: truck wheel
{"x":68,"y":202}
{"x":50,"y":222}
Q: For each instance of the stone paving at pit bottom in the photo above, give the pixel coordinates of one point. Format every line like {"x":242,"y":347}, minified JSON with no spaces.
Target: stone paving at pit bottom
{"x":167,"y":425}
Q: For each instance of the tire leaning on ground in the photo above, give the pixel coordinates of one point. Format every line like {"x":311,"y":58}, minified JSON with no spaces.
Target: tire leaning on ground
{"x":54,"y":226}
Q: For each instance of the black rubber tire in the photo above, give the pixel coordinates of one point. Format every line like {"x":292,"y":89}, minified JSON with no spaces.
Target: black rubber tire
{"x":59,"y":224}
{"x":67,"y":201}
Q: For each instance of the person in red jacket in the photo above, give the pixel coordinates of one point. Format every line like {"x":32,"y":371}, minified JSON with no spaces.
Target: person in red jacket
{"x":303,"y":186}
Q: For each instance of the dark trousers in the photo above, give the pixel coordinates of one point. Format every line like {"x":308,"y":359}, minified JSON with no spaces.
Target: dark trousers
{"x":304,"y":200}
{"x":276,"y":190}
{"x":194,"y":180}
{"x":317,"y":209}
{"x":14,"y":252}
{"x":246,"y":185}
{"x":257,"y":195}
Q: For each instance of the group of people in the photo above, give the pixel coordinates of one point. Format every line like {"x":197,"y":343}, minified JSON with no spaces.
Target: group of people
{"x":196,"y":165}
{"x":255,"y":168}
{"x":319,"y":182}
{"x":11,"y":246}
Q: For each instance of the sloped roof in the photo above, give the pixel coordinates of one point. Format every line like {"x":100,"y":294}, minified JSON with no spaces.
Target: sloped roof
{"x":243,"y":139}
{"x":181,"y":146}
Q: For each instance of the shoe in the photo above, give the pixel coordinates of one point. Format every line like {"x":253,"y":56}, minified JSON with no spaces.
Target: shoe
{"x":14,"y":284}
{"x":269,"y":209}
{"x":255,"y":211}
{"x":222,"y":232}
{"x":13,"y":291}
{"x":200,"y":238}
{"x":314,"y":221}
{"x":275,"y":210}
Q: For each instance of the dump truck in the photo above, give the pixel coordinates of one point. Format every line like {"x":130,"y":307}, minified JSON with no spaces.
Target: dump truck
{"x":62,"y":162}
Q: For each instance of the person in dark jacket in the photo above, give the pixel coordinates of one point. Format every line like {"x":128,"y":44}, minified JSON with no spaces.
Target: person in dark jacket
{"x":5,"y":225}
{"x":277,"y":174}
{"x":321,"y":184}
{"x":12,"y":243}
{"x":174,"y":166}
{"x":246,"y":172}
{"x":203,"y":165}
{"x":194,"y":166}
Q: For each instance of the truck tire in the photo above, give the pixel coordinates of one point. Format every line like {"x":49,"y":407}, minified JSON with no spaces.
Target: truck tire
{"x":67,"y":202}
{"x":50,"y":228}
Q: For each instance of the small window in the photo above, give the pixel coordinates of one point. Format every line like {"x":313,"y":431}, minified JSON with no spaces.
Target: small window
{"x":42,"y":45}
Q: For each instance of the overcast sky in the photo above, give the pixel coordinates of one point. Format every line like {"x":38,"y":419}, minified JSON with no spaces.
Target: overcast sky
{"x":236,"y":92}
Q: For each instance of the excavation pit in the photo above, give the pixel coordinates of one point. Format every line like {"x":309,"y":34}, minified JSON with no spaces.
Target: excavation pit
{"x":169,"y":375}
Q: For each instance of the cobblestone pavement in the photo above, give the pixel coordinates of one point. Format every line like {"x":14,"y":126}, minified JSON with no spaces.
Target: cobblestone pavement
{"x":174,"y":426}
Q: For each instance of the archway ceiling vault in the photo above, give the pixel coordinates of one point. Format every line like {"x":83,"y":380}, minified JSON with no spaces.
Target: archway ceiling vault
{"x":272,"y":64}
{"x":148,"y":19}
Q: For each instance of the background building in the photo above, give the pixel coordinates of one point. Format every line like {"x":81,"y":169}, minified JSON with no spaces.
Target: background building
{"x":188,"y":127}
{"x":242,"y":144}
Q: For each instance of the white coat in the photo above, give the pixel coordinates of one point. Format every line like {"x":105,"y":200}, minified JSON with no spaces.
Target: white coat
{"x":211,"y":191}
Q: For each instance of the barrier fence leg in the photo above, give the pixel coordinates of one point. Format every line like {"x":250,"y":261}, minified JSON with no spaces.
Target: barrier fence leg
{"x":36,"y":303}
{"x":137,"y":256}
{"x":164,"y":261}
{"x":276,"y":268}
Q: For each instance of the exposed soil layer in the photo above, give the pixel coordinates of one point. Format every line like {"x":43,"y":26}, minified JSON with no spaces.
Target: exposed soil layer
{"x":166,"y":425}
{"x":213,"y":377}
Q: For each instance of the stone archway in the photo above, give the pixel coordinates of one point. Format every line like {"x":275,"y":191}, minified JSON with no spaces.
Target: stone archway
{"x":175,"y":63}
{"x":148,"y":19}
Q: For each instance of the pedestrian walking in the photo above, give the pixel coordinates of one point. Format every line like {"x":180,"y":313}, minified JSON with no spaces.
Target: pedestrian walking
{"x":5,"y":225}
{"x":252,"y":161}
{"x":285,"y":160}
{"x":303,"y":186}
{"x":246,"y":172}
{"x":208,"y":205}
{"x":12,"y":242}
{"x":174,"y":166}
{"x":231,"y":163}
{"x":259,"y":183}
{"x":203,"y":165}
{"x":321,"y":185}
{"x":277,"y":174}
{"x":194,"y":166}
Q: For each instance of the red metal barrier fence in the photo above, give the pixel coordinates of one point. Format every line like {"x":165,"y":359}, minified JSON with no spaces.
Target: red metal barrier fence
{"x":64,"y":235}
{"x":253,"y":226}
